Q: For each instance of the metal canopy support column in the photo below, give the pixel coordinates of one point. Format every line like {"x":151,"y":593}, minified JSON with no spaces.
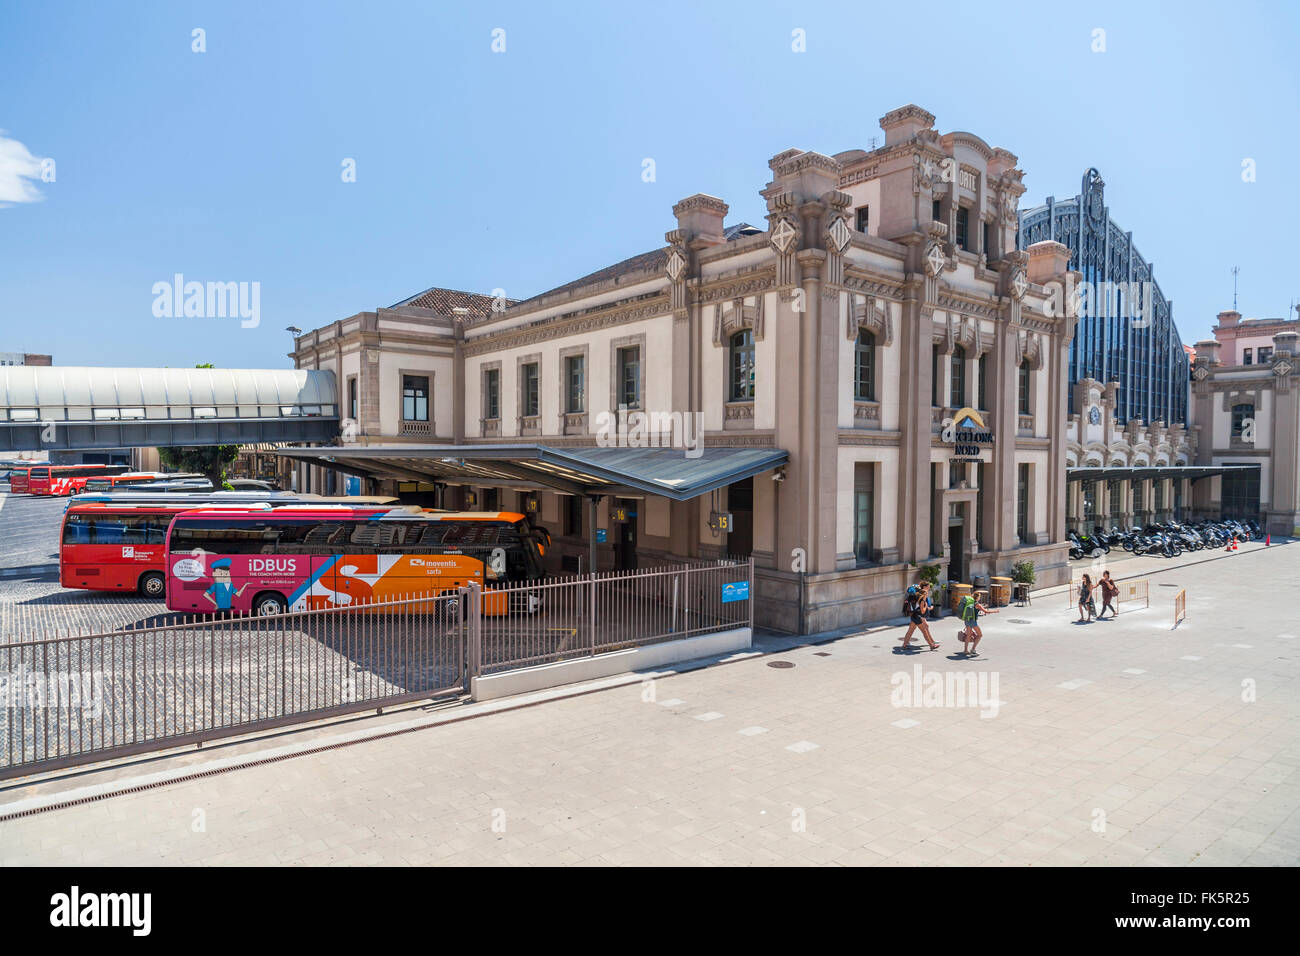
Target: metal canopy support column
{"x":592,"y":502}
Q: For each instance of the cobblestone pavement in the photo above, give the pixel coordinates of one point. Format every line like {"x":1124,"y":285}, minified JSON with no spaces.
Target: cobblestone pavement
{"x":29,"y":530}
{"x":1120,"y":742}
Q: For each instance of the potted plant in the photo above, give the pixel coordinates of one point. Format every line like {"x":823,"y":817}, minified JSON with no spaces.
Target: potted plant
{"x":1022,"y":573}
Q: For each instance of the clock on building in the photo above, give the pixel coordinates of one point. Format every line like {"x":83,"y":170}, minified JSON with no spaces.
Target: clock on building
{"x":1094,"y":415}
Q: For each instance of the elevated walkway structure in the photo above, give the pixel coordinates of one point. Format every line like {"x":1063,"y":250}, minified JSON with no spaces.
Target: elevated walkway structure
{"x":82,"y":408}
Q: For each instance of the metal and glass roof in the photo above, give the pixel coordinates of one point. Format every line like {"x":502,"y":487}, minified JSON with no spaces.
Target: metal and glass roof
{"x":668,"y":472}
{"x":1141,"y":472}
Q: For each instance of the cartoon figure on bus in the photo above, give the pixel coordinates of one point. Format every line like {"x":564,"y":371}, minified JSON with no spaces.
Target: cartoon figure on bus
{"x":222,"y":592}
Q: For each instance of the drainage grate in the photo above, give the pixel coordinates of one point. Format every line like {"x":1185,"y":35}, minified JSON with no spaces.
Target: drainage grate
{"x":782,"y":665}
{"x":1018,"y":620}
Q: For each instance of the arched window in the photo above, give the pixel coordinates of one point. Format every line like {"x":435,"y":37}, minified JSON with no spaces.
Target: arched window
{"x":957,"y":399}
{"x":1240,"y":415}
{"x":741,"y":382}
{"x":864,"y":381}
{"x":1022,"y":386}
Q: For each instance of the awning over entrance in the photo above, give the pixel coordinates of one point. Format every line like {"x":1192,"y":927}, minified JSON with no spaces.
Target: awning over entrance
{"x":624,"y":472}
{"x":1142,"y":472}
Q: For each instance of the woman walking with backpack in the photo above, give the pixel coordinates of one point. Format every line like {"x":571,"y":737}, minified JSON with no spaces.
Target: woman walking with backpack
{"x":916,"y":608}
{"x":972,"y":608}
{"x":1109,"y":591}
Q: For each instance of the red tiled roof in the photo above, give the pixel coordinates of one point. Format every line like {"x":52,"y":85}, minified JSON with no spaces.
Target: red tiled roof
{"x":446,"y":301}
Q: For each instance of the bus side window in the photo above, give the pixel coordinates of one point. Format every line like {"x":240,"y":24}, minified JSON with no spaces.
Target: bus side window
{"x":76,"y":531}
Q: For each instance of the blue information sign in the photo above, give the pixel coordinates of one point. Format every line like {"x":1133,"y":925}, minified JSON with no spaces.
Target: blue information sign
{"x":738,"y":591}
{"x":600,"y":535}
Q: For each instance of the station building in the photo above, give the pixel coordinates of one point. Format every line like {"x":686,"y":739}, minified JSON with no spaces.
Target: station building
{"x":1246,"y":404}
{"x":1129,"y":442}
{"x":874,"y":379}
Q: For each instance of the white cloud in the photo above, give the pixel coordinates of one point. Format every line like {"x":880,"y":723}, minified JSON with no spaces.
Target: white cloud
{"x":17,"y":167}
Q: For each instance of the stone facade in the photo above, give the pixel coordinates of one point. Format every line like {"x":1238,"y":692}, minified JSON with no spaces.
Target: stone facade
{"x":882,"y":328}
{"x":1250,"y":414}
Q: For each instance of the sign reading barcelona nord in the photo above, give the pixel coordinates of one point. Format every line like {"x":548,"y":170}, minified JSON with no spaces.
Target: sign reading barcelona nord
{"x":966,"y":432}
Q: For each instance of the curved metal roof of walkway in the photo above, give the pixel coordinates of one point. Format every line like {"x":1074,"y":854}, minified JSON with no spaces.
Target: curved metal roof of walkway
{"x":623,"y":472}
{"x":89,"y":407}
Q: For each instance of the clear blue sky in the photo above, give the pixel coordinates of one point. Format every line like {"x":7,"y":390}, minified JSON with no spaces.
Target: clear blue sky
{"x":522,"y":170}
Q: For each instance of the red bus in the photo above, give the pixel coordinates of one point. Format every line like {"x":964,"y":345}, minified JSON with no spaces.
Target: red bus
{"x":65,"y":479}
{"x":119,"y":547}
{"x":102,"y":483}
{"x":307,"y":557}
{"x":18,"y":477}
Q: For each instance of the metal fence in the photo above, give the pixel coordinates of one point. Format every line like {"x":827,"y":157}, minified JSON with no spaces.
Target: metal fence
{"x":592,"y":614}
{"x":82,"y":698}
{"x":1130,"y":592}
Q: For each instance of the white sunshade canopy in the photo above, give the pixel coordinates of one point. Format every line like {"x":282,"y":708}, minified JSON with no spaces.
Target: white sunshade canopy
{"x":81,"y":393}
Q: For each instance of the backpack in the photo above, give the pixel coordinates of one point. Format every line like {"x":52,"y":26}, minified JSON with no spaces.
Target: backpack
{"x":909,"y":602}
{"x":966,"y":608}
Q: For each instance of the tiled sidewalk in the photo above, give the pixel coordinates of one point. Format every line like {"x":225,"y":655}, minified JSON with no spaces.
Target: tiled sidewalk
{"x":1120,"y":742}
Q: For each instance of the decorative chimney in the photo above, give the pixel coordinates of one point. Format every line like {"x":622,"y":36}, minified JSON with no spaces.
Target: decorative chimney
{"x":902,"y":124}
{"x":699,"y":219}
{"x":1047,"y":260}
{"x":1229,"y":318}
{"x":1207,"y":352}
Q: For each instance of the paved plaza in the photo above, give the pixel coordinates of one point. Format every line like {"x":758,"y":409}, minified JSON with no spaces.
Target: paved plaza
{"x":1124,"y":742}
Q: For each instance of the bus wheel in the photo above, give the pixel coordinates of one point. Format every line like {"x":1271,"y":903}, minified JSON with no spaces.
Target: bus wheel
{"x":269,"y":603}
{"x":152,"y":585}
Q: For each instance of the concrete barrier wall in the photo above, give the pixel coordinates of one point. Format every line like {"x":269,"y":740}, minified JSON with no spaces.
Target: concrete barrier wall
{"x":648,"y":658}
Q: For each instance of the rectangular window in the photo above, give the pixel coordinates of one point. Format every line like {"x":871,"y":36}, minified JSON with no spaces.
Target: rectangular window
{"x":956,"y":473}
{"x":864,"y":218}
{"x":1022,"y":503}
{"x":988,"y":245}
{"x":415,"y":398}
{"x":629,"y":376}
{"x":491,"y":499}
{"x":983,"y":368}
{"x":529,"y":391}
{"x":1263,"y":354}
{"x":352,"y":398}
{"x":863,"y":502}
{"x":963,"y":222}
{"x":1022,"y":387}
{"x":957,"y":393}
{"x":1116,"y":506}
{"x":935,"y":211}
{"x":575,"y":372}
{"x":1240,"y":415}
{"x":492,"y":394}
{"x":935,"y":368}
{"x":1246,"y":357}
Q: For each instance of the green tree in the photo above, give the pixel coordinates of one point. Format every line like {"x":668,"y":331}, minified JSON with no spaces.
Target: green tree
{"x":208,"y":460}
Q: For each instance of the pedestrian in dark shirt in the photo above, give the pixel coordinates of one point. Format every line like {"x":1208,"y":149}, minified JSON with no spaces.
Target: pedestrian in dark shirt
{"x":1109,"y":591}
{"x":1085,"y":600}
